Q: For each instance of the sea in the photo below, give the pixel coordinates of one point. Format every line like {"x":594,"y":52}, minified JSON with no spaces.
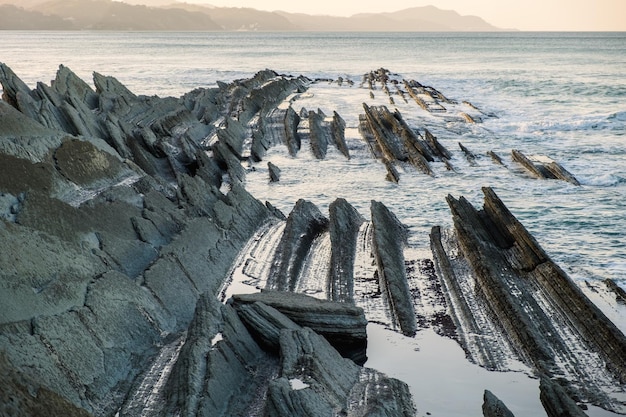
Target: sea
{"x":560,"y":95}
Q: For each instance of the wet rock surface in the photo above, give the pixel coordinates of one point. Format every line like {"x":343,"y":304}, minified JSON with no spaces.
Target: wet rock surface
{"x":125,"y":222}
{"x":342,"y":324}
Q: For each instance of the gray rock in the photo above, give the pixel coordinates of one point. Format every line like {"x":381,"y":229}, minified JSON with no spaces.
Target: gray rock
{"x":41,"y":274}
{"x":389,"y":238}
{"x":338,"y":131}
{"x":543,"y":167}
{"x":292,"y":120}
{"x":24,"y":138}
{"x":556,"y":402}
{"x":493,"y":407}
{"x":304,"y":224}
{"x":508,"y":266}
{"x":21,"y":395}
{"x":215,"y":375}
{"x":319,"y":134}
{"x":315,"y":381}
{"x":345,"y":222}
{"x":264,"y":322}
{"x":342,"y":324}
{"x":274,"y":172}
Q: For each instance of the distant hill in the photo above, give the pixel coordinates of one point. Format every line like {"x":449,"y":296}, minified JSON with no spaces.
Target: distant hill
{"x":113,"y":15}
{"x":17,"y":18}
{"x":416,"y":19}
{"x":240,"y":19}
{"x":170,"y":15}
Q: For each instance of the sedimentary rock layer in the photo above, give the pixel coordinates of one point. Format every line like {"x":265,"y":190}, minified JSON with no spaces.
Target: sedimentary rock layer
{"x":528,"y":294}
{"x":342,"y":324}
{"x":388,"y":242}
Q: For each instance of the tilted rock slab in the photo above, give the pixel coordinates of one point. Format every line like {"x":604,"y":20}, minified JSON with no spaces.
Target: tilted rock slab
{"x":342,"y":324}
{"x":389,"y":238}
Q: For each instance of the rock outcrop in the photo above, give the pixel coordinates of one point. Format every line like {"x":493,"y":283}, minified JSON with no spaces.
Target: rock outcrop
{"x":124,"y":218}
{"x":115,"y":225}
{"x":493,"y":407}
{"x":391,"y":140}
{"x":508,"y":266}
{"x":543,"y":167}
{"x":387,"y":243}
{"x":345,"y":223}
{"x":342,"y":324}
{"x":304,"y":224}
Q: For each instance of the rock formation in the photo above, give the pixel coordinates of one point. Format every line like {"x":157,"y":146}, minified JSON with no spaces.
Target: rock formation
{"x":508,"y":266}
{"x":493,"y":407}
{"x":388,"y":240}
{"x":543,"y":167}
{"x":125,"y":221}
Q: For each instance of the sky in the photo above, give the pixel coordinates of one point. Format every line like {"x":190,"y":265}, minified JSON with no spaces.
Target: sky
{"x":551,"y":15}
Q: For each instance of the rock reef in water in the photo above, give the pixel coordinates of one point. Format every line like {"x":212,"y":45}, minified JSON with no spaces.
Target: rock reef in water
{"x":123,"y":217}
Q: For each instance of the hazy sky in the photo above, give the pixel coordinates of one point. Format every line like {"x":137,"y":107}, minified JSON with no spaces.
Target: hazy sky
{"x":609,"y":15}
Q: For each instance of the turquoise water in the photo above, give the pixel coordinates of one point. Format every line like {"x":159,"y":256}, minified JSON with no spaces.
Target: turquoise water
{"x":558,"y":94}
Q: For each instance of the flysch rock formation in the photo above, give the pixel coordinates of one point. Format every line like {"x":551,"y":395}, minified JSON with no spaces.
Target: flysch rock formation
{"x":122,"y":218}
{"x":509,"y":297}
{"x":128,"y":239}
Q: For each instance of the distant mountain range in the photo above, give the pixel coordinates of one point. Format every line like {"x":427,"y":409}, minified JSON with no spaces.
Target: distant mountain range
{"x":169,"y":15}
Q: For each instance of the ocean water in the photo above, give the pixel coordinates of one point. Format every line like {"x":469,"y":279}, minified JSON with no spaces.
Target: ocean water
{"x":562,"y":95}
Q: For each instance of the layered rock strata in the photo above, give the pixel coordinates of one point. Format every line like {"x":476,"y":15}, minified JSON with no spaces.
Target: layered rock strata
{"x":118,"y":222}
{"x":543,"y":167}
{"x":528,"y":294}
{"x":124,"y":216}
{"x":392,"y":141}
{"x":342,"y":324}
{"x":387,"y":243}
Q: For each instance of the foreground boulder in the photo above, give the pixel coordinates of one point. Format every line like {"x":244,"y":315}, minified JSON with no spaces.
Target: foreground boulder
{"x":343,"y":325}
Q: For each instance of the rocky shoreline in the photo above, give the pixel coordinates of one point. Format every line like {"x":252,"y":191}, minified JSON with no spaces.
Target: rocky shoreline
{"x":127,"y":228}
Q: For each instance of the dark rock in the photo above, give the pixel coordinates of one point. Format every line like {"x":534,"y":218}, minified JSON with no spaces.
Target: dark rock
{"x":24,"y":396}
{"x":315,"y":381}
{"x":543,"y":167}
{"x":275,"y":211}
{"x":274,"y":172}
{"x":556,"y":402}
{"x":345,"y":222}
{"x":436,"y":147}
{"x":391,"y":139}
{"x":83,"y":164}
{"x":493,"y":407}
{"x":338,"y":131}
{"x":292,"y":120}
{"x":496,"y":158}
{"x":221,"y":371}
{"x":509,"y":266}
{"x":389,"y":238}
{"x":469,"y":155}
{"x":620,"y":294}
{"x":342,"y":324}
{"x":264,"y":322}
{"x":304,"y":224}
{"x":319,"y":134}
{"x":24,"y":138}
